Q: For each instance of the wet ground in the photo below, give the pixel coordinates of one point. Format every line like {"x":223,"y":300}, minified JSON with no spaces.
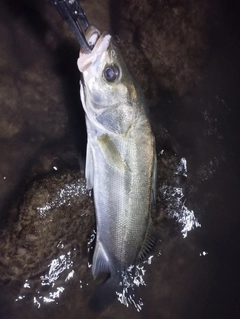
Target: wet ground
{"x":191,"y":79}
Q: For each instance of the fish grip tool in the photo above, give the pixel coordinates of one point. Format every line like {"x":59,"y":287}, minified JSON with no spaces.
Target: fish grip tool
{"x":72,"y":12}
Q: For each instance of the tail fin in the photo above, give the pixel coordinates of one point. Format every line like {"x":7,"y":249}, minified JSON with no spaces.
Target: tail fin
{"x":104,"y":294}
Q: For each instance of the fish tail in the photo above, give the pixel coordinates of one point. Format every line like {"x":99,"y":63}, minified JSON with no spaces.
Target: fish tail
{"x":104,"y":294}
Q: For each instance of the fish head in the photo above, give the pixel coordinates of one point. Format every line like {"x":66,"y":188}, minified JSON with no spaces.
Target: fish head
{"x":108,"y":91}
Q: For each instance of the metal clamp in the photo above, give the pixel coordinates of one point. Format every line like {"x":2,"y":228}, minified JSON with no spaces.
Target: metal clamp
{"x":71,"y":11}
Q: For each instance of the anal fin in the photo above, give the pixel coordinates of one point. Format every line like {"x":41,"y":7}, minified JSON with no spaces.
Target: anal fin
{"x":148,"y":243}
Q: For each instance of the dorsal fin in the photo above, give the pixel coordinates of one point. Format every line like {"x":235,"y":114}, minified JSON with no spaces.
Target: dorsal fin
{"x":148,"y":243}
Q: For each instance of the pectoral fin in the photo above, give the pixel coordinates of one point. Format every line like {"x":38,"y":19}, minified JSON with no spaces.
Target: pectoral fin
{"x":111,"y":153}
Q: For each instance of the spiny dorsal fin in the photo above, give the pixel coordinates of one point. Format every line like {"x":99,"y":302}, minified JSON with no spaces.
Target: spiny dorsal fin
{"x":111,"y":153}
{"x":148,"y":243}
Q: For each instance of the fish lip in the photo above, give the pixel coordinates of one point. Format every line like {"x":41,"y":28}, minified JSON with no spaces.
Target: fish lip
{"x":92,"y":34}
{"x":85,"y":60}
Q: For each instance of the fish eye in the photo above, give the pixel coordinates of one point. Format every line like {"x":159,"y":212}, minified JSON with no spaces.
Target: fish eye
{"x":111,"y":73}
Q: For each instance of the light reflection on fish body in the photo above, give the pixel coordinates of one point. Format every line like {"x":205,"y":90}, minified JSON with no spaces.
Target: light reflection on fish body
{"x":121,"y":158}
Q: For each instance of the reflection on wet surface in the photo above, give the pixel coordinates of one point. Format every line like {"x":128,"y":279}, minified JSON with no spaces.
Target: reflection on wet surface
{"x":51,"y":204}
{"x":133,"y":277}
{"x":175,"y":202}
{"x":47,"y":222}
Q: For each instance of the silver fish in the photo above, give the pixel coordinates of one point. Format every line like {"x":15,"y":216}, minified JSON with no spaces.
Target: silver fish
{"x":121,"y":158}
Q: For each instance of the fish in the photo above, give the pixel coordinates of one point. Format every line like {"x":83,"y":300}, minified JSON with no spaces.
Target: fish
{"x":120,"y":158}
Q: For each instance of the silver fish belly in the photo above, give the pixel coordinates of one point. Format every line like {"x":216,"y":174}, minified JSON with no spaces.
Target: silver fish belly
{"x":121,"y":158}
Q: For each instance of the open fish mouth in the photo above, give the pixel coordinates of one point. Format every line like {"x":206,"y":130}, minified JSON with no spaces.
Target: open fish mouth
{"x":100,"y":44}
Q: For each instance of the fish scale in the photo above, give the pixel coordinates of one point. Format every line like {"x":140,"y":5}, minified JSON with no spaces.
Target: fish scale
{"x":121,"y":158}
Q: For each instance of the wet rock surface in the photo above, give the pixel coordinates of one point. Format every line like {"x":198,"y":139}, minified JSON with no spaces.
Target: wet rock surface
{"x":185,"y":55}
{"x":56,"y":211}
{"x":168,"y":39}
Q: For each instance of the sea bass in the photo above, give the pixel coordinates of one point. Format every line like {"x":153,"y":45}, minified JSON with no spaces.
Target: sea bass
{"x":121,"y":158}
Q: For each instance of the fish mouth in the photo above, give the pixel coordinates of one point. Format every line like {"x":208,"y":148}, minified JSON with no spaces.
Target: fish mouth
{"x":92,"y":34}
{"x":100,"y":44}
